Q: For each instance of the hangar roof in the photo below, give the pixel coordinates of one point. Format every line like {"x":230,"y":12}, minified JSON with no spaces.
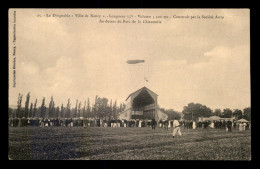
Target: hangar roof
{"x":138,"y":91}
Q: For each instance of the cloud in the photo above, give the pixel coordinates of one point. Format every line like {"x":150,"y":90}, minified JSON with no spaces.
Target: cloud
{"x":29,"y":68}
{"x":225,"y":79}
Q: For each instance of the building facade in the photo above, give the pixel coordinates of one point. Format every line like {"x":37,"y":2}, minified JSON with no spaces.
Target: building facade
{"x":142,"y":104}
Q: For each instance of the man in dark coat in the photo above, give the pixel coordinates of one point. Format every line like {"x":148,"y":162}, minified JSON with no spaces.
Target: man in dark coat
{"x":229,"y":125}
{"x":137,"y":123}
{"x":166,"y":123}
{"x":224,"y":124}
{"x":235,"y":125}
{"x":153,"y":124}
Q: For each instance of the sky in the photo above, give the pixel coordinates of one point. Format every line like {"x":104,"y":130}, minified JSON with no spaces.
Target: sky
{"x":203,"y":61}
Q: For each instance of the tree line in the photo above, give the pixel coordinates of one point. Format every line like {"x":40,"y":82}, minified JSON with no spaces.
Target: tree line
{"x":195,"y":110}
{"x":101,"y":108}
{"x":104,"y":109}
{"x":172,"y":114}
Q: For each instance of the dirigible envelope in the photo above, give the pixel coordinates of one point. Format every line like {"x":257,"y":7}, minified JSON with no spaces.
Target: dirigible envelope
{"x":134,"y":61}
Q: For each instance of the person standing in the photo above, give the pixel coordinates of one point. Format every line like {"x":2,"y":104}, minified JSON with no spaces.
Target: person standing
{"x":160,"y":123}
{"x":140,"y":123}
{"x":143,"y":123}
{"x":176,"y":128}
{"x":202,"y":124}
{"x":101,"y":123}
{"x":193,"y":125}
{"x":240,"y":126}
{"x":166,"y":124}
{"x":229,"y":126}
{"x":153,"y":124}
{"x":125,"y":123}
{"x":136,"y":122}
{"x":212,"y":124}
{"x":235,"y":125}
{"x":244,"y":126}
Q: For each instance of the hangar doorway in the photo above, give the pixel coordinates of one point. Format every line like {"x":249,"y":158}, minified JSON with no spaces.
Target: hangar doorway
{"x":143,"y":106}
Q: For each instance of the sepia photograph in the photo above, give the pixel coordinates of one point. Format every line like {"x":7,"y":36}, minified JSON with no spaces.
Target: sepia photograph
{"x":129,"y":84}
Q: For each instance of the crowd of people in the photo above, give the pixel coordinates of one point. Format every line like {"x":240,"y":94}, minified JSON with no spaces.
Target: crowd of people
{"x":218,"y":124}
{"x":91,"y":122}
{"x":80,"y":122}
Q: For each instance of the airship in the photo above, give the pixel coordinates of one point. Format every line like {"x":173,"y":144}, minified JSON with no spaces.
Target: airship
{"x":134,"y":61}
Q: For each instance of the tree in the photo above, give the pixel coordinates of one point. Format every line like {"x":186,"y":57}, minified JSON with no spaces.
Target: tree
{"x":51,"y":108}
{"x":114,"y":111}
{"x":110,"y":110}
{"x":88,"y":109}
{"x":123,"y":107}
{"x":107,"y":112}
{"x":120,"y":107}
{"x":171,"y":113}
{"x":92,"y":111}
{"x":62,"y":111}
{"x":13,"y":112}
{"x":43,"y":109}
{"x":68,"y":109}
{"x":19,"y":105}
{"x":84,"y":109}
{"x":34,"y":108}
{"x":193,"y":111}
{"x":247,"y":113}
{"x":217,"y":112}
{"x":238,"y":114}
{"x":57,"y":112}
{"x":76,"y":109}
{"x":95,"y":114}
{"x":31,"y":110}
{"x":227,"y":113}
{"x":79,"y":111}
{"x":101,"y":107}
{"x":10,"y":112}
{"x":26,"y":110}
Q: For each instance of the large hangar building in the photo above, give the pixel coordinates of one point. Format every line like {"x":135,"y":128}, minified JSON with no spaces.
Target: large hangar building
{"x":142,"y":104}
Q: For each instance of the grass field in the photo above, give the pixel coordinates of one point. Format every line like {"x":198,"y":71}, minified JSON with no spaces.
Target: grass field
{"x":127,"y":144}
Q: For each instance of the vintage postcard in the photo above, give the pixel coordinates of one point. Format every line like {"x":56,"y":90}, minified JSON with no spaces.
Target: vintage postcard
{"x":129,"y":84}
